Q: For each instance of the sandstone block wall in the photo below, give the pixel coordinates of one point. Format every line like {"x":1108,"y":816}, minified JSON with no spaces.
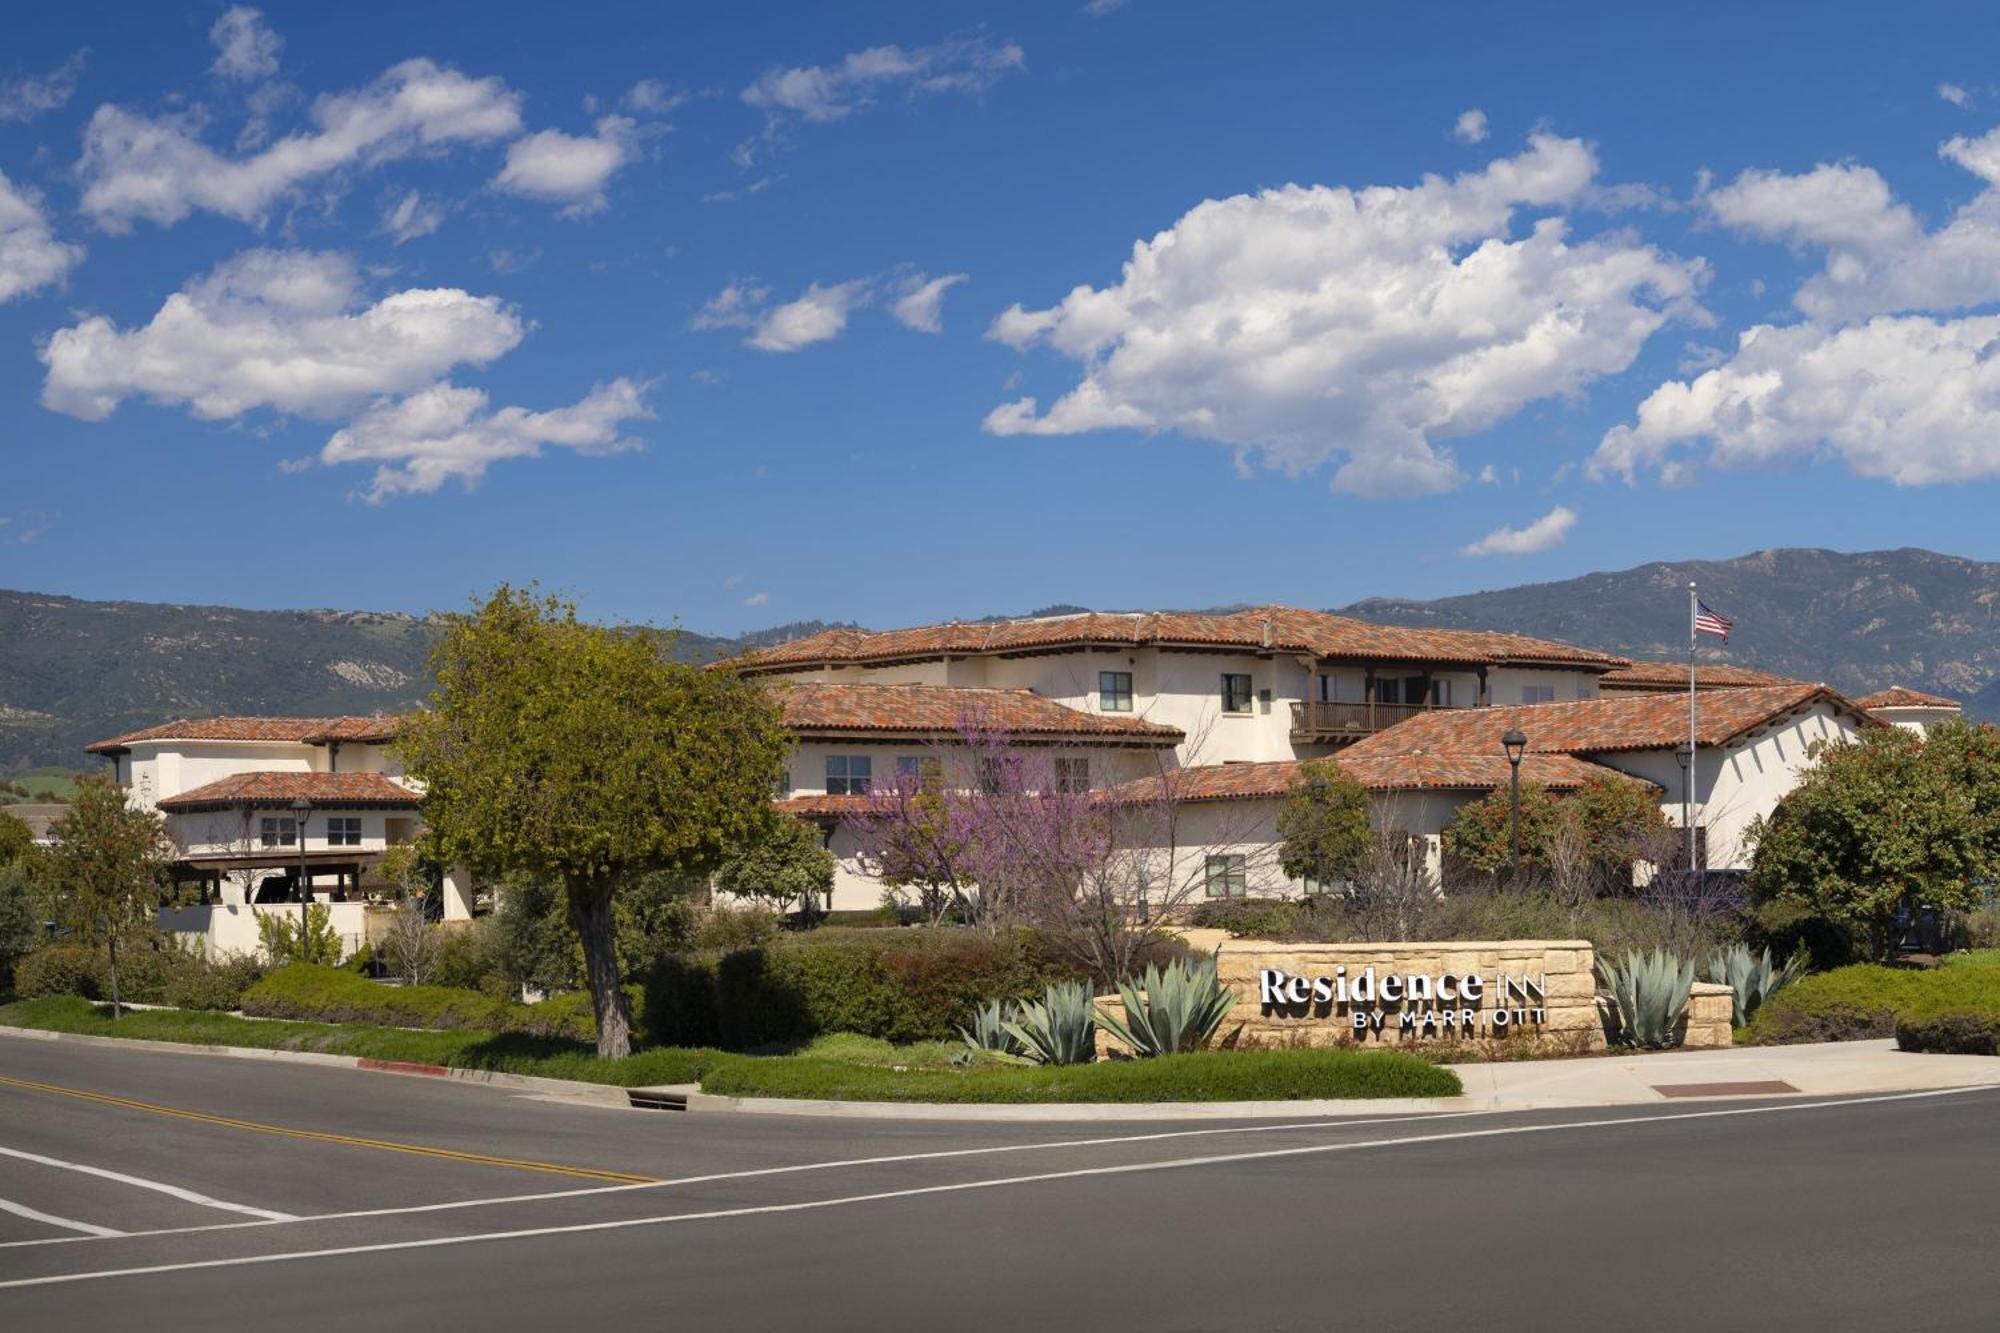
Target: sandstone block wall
{"x":1541,"y":992}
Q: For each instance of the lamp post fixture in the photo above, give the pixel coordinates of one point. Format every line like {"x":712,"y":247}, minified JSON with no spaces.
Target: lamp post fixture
{"x":301,"y":808}
{"x":1684,"y":756}
{"x":1516,"y":745}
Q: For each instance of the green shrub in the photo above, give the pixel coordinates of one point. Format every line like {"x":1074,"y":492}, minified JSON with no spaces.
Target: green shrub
{"x":330,"y":995}
{"x":196,"y":983}
{"x":902,"y":986}
{"x":988,"y":1033}
{"x":571,"y":1017}
{"x":469,"y":959}
{"x":1248,"y":918}
{"x":1952,"y":1032}
{"x":1868,"y":1001}
{"x":60,"y":969}
{"x":1060,"y":1028}
{"x":1751,"y":978}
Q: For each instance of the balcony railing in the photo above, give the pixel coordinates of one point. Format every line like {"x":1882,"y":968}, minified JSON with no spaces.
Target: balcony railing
{"x":1335,"y":722}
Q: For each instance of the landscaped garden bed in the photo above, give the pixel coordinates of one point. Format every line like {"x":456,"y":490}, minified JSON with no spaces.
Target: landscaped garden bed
{"x":1952,"y":1008}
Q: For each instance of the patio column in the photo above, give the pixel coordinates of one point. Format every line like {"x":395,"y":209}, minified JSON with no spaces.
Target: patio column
{"x":458,"y":894}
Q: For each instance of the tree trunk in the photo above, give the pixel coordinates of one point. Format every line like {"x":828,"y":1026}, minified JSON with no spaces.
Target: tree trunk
{"x":590,"y":913}
{"x":116,"y":1010}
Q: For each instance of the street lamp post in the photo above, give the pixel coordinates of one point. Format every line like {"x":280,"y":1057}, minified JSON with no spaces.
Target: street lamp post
{"x":1516,"y":745}
{"x":1684,"y":756}
{"x":301,"y":808}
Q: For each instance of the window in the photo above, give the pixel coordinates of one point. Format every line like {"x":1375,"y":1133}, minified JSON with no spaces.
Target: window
{"x":1072,"y":773}
{"x":344,"y":831}
{"x":1440,"y":694}
{"x":1227,"y":876}
{"x":1235,"y":692}
{"x":1388,"y":691}
{"x":1114,"y":691}
{"x":918,"y":770}
{"x":849,"y":775}
{"x":991,"y":775}
{"x":1538,"y":694}
{"x":279,"y":831}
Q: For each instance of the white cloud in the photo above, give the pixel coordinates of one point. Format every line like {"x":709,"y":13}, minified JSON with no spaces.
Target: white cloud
{"x":736,"y":306}
{"x":409,"y":215}
{"x":137,"y":167}
{"x":1880,"y":259}
{"x":569,"y":169}
{"x":1316,"y":325}
{"x":1545,"y":532}
{"x":25,"y":98}
{"x":1470,"y":127}
{"x":1954,"y":94}
{"x":921,"y":306}
{"x":651,"y":97}
{"x":245,"y":49}
{"x":444,"y":433}
{"x":829,"y":92}
{"x":819,"y":314}
{"x":757,"y":599}
{"x":30,"y":256}
{"x":286,"y":330}
{"x":1910,"y":400}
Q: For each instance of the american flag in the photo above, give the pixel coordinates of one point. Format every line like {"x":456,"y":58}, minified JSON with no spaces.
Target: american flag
{"x":1712,"y":622}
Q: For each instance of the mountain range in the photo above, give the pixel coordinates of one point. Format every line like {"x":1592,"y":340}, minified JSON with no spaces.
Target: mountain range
{"x":74,"y":671}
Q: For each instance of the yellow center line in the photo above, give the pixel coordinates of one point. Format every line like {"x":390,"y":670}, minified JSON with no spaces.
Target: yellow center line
{"x":386,"y":1145}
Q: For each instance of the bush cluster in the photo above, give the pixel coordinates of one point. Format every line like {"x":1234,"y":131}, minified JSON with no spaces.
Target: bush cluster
{"x":1943,"y":1005}
{"x":146,"y":975}
{"x":911,"y":985}
{"x":336,"y":995}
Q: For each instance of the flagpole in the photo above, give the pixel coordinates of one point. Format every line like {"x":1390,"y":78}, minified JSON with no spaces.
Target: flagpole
{"x":1687,"y":806}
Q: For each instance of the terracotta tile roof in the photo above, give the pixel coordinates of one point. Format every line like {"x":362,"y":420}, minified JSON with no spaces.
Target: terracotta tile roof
{"x":1275,"y":628}
{"x":1383,"y":773}
{"x":303,"y":730}
{"x":1674,"y":676}
{"x":819,"y":707}
{"x":1600,"y":726}
{"x":1902,"y":696}
{"x":333,"y":790}
{"x":823,"y":804}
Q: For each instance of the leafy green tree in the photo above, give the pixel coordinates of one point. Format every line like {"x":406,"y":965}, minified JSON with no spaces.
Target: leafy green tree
{"x":16,"y":840}
{"x":317,"y":946}
{"x":787,"y":862}
{"x":106,"y":868}
{"x":1479,"y":836}
{"x":587,"y":756}
{"x":1879,"y":823}
{"x":1323,"y":828}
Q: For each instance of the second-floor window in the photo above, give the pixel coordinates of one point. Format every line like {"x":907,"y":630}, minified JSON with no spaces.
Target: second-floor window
{"x":278,"y":831}
{"x":343,"y":831}
{"x":1072,"y":773}
{"x":1114,"y":691}
{"x":1235,"y":692}
{"x":1538,"y":694}
{"x":918,"y":770}
{"x":849,"y":775}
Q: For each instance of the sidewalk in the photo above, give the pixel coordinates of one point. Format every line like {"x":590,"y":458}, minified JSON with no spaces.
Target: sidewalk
{"x":1823,"y":1069}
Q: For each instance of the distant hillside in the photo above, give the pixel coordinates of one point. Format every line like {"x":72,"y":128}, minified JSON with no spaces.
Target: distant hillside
{"x":73,"y":671}
{"x":1858,"y":622}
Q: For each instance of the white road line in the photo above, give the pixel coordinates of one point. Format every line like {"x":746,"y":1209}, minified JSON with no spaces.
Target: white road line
{"x":578,"y":1228}
{"x":267,"y":1214}
{"x":784,"y":1170}
{"x":37,"y":1215}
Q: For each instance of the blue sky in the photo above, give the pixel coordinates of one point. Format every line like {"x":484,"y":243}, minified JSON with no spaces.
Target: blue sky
{"x":781,"y":312}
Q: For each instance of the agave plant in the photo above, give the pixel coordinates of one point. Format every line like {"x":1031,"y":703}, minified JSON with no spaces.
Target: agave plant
{"x":988,"y":1033}
{"x":1176,"y":1009}
{"x":1650,"y":992}
{"x":1058,"y":1029}
{"x":1751,"y":977}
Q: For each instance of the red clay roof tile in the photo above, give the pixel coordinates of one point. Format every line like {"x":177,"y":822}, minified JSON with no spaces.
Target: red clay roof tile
{"x":943,"y":711}
{"x":1902,"y":696}
{"x":304,"y":730}
{"x":337,"y":790}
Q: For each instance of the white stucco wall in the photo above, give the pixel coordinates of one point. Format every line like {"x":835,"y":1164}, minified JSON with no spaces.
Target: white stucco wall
{"x":231,"y":930}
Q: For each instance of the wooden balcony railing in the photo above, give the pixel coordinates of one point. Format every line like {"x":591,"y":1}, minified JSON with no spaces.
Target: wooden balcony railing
{"x":1336,"y":722}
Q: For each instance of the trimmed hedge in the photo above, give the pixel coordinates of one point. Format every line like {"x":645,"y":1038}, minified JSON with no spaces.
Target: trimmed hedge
{"x":1867,"y":1001}
{"x":1957,"y":1032}
{"x":335,"y":995}
{"x":1205,"y":1076}
{"x":901,"y":986}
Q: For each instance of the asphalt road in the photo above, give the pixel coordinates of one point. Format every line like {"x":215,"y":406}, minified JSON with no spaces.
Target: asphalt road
{"x":262,"y":1196}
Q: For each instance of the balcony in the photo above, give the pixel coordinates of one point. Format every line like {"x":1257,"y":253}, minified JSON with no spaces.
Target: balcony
{"x":1331,"y":724}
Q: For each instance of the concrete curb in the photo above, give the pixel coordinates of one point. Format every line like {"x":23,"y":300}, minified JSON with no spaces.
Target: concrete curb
{"x":1084,"y":1111}
{"x":602,"y":1094}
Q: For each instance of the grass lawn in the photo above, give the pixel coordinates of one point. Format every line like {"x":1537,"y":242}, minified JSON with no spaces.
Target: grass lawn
{"x":841,"y":1066}
{"x":47,"y":784}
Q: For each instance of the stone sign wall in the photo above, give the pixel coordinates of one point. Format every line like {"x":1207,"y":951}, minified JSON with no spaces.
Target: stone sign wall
{"x":1537,"y":991}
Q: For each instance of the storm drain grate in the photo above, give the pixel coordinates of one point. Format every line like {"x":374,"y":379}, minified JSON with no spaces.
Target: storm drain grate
{"x":1758,"y":1088}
